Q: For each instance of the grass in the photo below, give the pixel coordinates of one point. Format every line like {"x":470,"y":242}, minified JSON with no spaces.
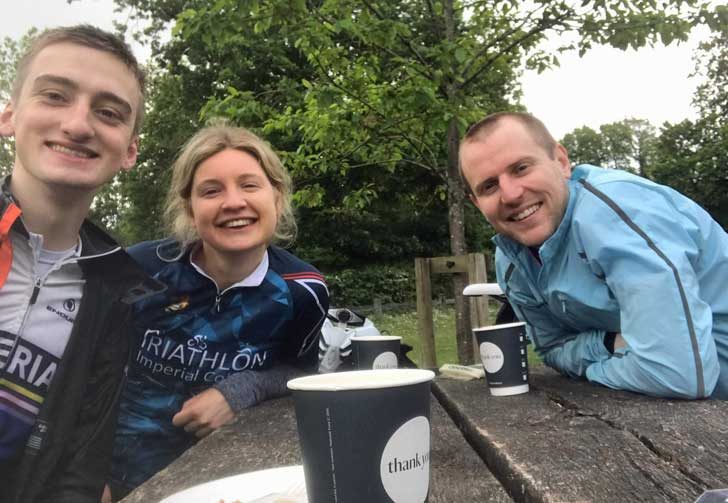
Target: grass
{"x":404,"y":324}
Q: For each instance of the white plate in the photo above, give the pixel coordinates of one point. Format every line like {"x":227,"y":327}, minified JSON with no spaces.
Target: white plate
{"x":287,"y":480}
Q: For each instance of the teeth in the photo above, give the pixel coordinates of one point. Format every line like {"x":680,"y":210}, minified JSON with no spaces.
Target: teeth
{"x":525,"y":213}
{"x":240,"y":222}
{"x":68,"y":151}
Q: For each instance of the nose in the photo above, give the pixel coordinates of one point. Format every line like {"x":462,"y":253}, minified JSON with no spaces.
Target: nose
{"x":234,"y":199}
{"x":510,"y":189}
{"x":76,"y":122}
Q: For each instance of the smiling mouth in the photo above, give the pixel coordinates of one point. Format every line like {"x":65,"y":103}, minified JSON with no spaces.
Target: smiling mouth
{"x":81,"y":153}
{"x":525,"y":213}
{"x":238,"y":223}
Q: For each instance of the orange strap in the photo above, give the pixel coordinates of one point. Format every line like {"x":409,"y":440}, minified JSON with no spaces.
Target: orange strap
{"x":6,"y":246}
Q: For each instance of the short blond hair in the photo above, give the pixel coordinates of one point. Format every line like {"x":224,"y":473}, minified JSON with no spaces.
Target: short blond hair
{"x":212,"y":140}
{"x":89,"y":36}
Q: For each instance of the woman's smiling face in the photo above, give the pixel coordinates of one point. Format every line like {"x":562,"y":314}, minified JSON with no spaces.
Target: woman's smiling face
{"x":233,"y":204}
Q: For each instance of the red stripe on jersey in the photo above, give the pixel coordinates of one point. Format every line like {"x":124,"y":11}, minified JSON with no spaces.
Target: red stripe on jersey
{"x":303,"y":275}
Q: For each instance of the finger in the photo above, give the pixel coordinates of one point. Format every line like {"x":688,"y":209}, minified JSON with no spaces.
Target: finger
{"x":179,"y":419}
{"x":192,"y":426}
{"x":203,"y":432}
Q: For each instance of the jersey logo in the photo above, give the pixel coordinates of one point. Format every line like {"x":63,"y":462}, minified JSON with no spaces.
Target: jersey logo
{"x":183,"y":304}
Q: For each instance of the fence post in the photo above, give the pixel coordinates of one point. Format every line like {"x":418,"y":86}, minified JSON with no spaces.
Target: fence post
{"x":479,"y":303}
{"x":377,"y":306}
{"x":424,"y":312}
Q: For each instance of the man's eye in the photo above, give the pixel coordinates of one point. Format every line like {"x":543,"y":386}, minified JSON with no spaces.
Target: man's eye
{"x":488,"y":188}
{"x":54,"y":96}
{"x":109,"y":114}
{"x":521,"y":167}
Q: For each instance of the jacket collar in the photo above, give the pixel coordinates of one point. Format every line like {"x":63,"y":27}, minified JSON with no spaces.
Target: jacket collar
{"x":94,"y":241}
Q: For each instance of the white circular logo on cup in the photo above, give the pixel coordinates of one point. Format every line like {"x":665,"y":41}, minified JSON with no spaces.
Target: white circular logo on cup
{"x":405,"y":465}
{"x":386,"y":360}
{"x":492,"y":357}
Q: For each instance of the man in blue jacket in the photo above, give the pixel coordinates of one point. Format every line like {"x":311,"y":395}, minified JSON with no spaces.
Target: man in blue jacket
{"x":619,"y":279}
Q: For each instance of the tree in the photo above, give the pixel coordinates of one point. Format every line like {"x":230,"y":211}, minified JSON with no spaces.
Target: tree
{"x":392,"y":85}
{"x":627,"y":144}
{"x":10,"y":52}
{"x":692,"y":156}
{"x":585,"y":146}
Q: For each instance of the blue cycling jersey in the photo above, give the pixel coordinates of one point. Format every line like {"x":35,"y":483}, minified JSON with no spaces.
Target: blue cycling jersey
{"x":194,"y":336}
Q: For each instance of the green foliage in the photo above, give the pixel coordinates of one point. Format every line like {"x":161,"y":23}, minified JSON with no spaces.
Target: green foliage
{"x":359,"y":287}
{"x":365,"y":101}
{"x":628,"y":144}
{"x":691,"y":158}
{"x":10,"y":52}
{"x":389,"y":284}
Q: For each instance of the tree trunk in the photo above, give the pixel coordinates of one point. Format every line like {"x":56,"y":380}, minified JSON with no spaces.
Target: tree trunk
{"x":456,"y":212}
{"x":456,"y":220}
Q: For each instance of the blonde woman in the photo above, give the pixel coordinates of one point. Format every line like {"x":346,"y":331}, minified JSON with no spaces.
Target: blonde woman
{"x":239,"y":316}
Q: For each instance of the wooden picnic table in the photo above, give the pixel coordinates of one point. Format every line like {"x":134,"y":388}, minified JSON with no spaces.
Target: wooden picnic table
{"x":571,"y":441}
{"x":265,"y":436}
{"x":564,"y":441}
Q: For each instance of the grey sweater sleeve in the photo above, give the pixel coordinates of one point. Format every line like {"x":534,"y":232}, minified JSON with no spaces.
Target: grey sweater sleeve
{"x":248,"y":388}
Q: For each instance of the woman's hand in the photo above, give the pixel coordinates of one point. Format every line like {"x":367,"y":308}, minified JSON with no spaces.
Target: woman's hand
{"x":204,"y":413}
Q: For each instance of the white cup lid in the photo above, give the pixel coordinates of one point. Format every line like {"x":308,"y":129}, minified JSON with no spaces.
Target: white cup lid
{"x":361,"y":379}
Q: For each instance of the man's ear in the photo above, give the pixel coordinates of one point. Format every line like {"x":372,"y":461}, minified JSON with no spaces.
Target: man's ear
{"x":131,"y":154}
{"x":7,"y":127}
{"x":562,"y":157}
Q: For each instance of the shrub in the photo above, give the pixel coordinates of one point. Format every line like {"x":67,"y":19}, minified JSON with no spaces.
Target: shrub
{"x":388,"y":283}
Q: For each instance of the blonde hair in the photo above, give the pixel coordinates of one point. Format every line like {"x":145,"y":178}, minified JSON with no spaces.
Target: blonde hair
{"x":212,"y":140}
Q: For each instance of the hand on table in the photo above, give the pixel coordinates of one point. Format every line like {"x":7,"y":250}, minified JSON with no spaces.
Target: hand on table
{"x":204,"y":413}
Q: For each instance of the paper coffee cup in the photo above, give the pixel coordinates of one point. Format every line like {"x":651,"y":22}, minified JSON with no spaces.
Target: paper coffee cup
{"x":376,"y":351}
{"x":365,"y":435}
{"x":505,"y":360}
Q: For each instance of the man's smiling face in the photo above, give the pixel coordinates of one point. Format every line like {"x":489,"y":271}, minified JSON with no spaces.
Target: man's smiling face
{"x":519,"y":186}
{"x":73,"y":118}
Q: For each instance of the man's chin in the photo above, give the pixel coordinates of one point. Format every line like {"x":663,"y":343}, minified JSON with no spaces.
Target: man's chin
{"x":530,"y":239}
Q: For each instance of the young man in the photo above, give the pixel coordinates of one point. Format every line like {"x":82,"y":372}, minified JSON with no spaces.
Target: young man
{"x":65,"y":286}
{"x":620,"y":280}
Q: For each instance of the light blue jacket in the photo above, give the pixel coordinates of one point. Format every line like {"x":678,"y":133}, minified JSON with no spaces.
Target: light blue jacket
{"x":634,"y":257}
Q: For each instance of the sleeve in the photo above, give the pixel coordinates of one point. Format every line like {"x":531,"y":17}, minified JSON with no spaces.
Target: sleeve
{"x":83,"y":468}
{"x":573,"y":353}
{"x":298,"y":357}
{"x":646,"y":249}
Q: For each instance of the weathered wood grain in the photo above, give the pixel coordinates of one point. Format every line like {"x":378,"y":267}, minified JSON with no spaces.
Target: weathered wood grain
{"x":568,"y":441}
{"x":265,"y":436}
{"x":691,"y":435}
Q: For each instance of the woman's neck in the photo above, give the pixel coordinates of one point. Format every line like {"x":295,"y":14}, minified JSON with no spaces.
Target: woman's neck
{"x":227,"y":268}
